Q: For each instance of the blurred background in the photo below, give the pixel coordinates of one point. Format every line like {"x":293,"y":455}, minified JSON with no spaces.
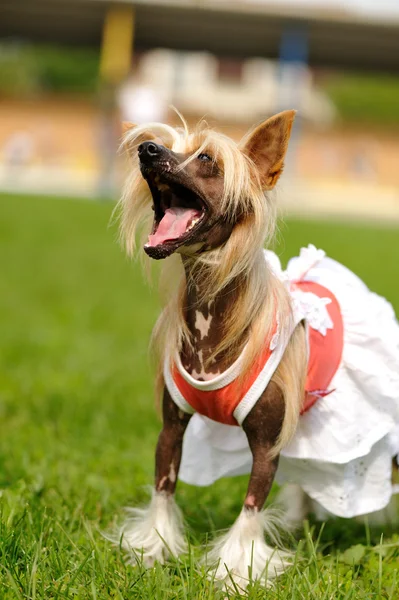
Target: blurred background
{"x":79,"y":423}
{"x":72,"y":70}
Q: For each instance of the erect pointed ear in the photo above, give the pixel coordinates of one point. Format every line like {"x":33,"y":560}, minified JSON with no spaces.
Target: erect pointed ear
{"x":267,"y":144}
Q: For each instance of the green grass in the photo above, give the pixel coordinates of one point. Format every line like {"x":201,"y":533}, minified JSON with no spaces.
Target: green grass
{"x":78,"y":423}
{"x":369,"y":99}
{"x":26,"y":69}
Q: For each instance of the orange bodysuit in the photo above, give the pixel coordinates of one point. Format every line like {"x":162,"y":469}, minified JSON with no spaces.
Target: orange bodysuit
{"x":227,"y":399}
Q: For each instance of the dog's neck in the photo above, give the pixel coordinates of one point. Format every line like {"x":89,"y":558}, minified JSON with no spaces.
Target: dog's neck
{"x":206,"y":321}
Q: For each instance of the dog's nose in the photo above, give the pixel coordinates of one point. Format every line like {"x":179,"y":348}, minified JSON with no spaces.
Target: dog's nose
{"x":149,"y":150}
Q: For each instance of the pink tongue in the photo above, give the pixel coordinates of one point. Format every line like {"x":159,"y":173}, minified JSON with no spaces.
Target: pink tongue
{"x":173,"y":225}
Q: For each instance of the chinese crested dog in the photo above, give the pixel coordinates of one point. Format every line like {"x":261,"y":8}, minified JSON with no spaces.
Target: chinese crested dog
{"x":289,"y":374}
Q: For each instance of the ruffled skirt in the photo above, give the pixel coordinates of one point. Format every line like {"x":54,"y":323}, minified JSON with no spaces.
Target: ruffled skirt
{"x":341,"y":454}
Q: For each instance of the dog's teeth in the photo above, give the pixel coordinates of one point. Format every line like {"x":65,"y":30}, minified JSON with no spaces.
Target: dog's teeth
{"x":193,"y":222}
{"x":162,"y":187}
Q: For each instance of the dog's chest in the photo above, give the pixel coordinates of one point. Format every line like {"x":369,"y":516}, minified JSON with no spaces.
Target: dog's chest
{"x":198,"y":361}
{"x":207,"y":327}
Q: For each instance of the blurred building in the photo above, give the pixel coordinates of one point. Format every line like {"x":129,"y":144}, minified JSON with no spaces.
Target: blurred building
{"x":360,"y":34}
{"x":228,"y":89}
{"x":233,"y":62}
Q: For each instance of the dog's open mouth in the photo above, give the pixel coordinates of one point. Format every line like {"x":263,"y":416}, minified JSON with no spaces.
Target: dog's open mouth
{"x":178,"y":213}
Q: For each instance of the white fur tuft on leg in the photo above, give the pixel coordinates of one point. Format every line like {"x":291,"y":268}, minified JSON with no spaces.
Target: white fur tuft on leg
{"x":155,"y":532}
{"x":242,"y":554}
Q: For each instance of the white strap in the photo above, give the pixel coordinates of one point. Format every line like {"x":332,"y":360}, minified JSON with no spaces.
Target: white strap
{"x":174,"y":391}
{"x":217,"y":382}
{"x":262,"y":381}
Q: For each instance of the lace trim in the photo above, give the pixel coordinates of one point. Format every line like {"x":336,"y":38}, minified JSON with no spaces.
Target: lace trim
{"x":308,"y":258}
{"x":306,"y":305}
{"x":313,"y":309}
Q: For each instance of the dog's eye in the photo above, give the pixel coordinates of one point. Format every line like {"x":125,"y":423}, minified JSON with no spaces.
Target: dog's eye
{"x":204,"y":157}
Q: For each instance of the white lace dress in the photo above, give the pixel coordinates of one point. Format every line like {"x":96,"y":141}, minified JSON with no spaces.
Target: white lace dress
{"x":341,"y":454}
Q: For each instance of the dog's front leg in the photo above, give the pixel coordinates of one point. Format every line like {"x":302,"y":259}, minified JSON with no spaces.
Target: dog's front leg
{"x":242,"y":554}
{"x":156,"y":532}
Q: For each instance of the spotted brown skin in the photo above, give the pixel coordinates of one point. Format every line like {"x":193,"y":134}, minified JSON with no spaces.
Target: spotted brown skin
{"x":196,"y":357}
{"x":262,"y":427}
{"x":169,"y":447}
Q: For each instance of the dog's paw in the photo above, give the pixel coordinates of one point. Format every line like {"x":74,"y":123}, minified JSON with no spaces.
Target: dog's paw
{"x":154,"y":533}
{"x":242,"y":554}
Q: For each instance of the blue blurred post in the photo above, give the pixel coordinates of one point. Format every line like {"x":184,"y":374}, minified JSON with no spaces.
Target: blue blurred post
{"x":293,"y":64}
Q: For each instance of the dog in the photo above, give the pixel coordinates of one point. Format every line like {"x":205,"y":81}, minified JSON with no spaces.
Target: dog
{"x":280,"y":373}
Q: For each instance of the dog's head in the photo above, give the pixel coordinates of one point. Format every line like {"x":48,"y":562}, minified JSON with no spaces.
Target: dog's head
{"x":203,"y":188}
